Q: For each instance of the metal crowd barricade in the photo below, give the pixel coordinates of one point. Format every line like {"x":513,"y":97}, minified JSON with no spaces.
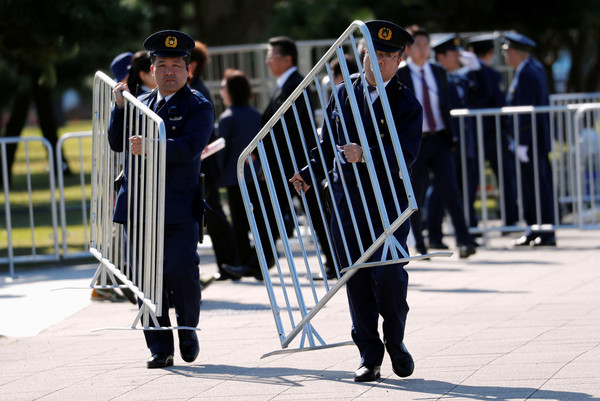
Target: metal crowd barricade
{"x":291,"y":283}
{"x":587,"y":158}
{"x":83,"y":207}
{"x":32,"y":184}
{"x":133,"y":257}
{"x":573,"y":194}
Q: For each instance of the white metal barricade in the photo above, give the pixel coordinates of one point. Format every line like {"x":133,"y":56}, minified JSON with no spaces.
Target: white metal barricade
{"x":133,"y":256}
{"x":32,"y":185}
{"x":83,"y":202}
{"x":573,"y":157}
{"x":267,"y":195}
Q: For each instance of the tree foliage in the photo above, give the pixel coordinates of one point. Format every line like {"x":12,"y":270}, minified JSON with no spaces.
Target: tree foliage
{"x":68,"y":40}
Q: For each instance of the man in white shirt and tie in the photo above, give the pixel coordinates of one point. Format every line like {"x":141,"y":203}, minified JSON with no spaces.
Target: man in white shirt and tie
{"x":430,"y":85}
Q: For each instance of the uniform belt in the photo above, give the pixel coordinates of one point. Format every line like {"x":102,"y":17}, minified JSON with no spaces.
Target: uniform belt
{"x":434,"y":133}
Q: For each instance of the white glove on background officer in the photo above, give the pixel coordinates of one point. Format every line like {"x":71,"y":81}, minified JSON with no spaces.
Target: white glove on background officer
{"x":522,"y":153}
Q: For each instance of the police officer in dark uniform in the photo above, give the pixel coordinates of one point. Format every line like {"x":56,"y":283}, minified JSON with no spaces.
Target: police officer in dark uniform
{"x":430,"y":85}
{"x":529,"y":87}
{"x":491,"y":95}
{"x":377,"y":290}
{"x":188,"y":118}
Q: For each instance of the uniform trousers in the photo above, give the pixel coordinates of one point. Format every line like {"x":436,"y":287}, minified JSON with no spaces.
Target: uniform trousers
{"x":436,"y":156}
{"x":528,"y":185}
{"x":374,"y":291}
{"x":181,"y":286}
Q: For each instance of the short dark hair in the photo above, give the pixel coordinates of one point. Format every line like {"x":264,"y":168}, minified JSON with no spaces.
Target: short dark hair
{"x":336,"y":69}
{"x":482,"y":48}
{"x":286,"y":46}
{"x":139,"y":62}
{"x":416,"y":30}
{"x":238,"y":87}
{"x":200,"y":55}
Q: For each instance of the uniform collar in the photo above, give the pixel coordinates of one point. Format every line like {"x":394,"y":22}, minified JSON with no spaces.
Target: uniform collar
{"x":284,"y":77}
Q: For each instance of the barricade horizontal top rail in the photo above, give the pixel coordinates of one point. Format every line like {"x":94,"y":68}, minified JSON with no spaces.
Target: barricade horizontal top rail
{"x":521,"y":109}
{"x":133,"y":100}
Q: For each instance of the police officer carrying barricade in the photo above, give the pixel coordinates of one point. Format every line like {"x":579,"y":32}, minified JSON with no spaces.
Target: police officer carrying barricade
{"x":188,"y":119}
{"x":377,"y":290}
{"x":529,"y":87}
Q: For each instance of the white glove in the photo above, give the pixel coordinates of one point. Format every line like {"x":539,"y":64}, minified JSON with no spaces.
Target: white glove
{"x":469,"y":60}
{"x":522,"y":153}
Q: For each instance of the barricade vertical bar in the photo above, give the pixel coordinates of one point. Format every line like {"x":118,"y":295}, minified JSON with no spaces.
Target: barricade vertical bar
{"x":7,"y":212}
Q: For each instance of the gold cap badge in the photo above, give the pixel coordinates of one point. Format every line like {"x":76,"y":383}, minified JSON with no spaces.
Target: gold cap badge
{"x":171,"y":41}
{"x":385,"y":34}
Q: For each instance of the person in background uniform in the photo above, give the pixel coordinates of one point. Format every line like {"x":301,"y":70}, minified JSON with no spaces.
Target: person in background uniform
{"x":461,"y":87}
{"x":217,"y":226}
{"x":238,"y":125}
{"x":282,"y":61}
{"x":491,"y":95}
{"x":430,"y":85}
{"x":529,"y":87}
{"x":188,"y":118}
{"x":380,"y":290}
{"x":140,"y":78}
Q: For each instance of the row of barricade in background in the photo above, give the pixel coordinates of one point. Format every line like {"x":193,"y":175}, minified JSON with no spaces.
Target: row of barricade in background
{"x":575,"y":160}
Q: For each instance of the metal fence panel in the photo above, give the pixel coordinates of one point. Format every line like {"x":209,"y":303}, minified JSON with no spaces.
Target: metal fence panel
{"x":82,"y":209}
{"x":45,"y":182}
{"x":135,"y":256}
{"x":294,"y":295}
{"x":573,"y":157}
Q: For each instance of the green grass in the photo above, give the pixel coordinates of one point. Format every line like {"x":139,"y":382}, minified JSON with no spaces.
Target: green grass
{"x":36,"y":211}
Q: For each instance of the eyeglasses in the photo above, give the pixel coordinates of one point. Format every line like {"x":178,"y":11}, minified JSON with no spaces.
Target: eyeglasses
{"x":386,"y":56}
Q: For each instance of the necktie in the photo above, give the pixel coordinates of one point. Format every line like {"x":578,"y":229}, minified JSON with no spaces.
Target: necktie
{"x":427,"y":104}
{"x":368,"y":97}
{"x":159,"y":104}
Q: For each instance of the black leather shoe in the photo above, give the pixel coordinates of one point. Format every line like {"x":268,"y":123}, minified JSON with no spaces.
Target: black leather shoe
{"x":438,"y":245}
{"x":421,"y":249}
{"x":242,"y":271}
{"x":222,"y":275}
{"x":159,"y":360}
{"x":188,"y":346}
{"x":525,"y":240}
{"x":367,"y":373}
{"x":464,"y":251}
{"x":402,"y":362}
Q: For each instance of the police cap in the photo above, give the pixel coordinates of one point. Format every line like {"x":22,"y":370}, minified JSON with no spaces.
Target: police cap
{"x":169,"y":44}
{"x":120,"y":66}
{"x":518,"y":41}
{"x":482,"y":43}
{"x":388,"y":37}
{"x":447,"y":42}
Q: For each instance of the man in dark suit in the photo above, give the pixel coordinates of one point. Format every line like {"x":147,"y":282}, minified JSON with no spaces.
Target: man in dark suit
{"x":188,"y":118}
{"x":282,"y":60}
{"x":529,"y":87}
{"x":430,"y":85}
{"x":491,"y":94}
{"x":378,"y":290}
